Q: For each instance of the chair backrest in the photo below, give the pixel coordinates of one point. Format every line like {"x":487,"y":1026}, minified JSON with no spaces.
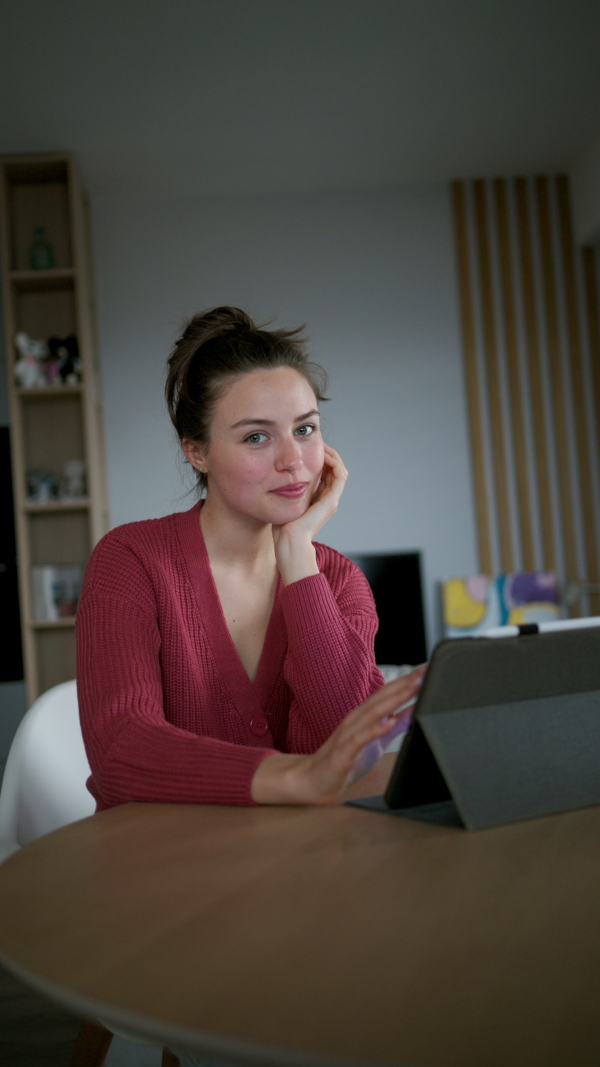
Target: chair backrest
{"x":46,"y":771}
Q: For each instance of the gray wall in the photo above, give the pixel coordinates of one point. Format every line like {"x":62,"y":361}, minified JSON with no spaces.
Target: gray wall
{"x":373,"y":276}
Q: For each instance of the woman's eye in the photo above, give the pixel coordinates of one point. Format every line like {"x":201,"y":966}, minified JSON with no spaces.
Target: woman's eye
{"x":306,"y":429}
{"x":256,"y":438}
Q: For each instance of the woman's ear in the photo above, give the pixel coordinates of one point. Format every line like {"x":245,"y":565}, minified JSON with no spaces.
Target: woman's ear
{"x":194,"y":453}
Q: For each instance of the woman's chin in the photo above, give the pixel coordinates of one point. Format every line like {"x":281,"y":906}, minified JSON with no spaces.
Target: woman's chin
{"x":283,"y":511}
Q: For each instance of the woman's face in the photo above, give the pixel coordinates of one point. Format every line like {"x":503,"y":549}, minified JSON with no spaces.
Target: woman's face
{"x":266,"y":453}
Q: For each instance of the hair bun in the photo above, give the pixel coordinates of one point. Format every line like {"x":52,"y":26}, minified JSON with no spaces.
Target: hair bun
{"x":221,"y":320}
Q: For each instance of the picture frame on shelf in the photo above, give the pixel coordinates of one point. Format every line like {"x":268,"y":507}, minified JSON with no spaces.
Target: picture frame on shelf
{"x":55,"y":591}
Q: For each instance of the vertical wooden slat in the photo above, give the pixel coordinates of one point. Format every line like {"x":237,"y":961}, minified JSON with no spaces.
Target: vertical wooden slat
{"x":559,"y":411}
{"x":493,"y":381}
{"x":534,"y":367}
{"x":577,"y":382}
{"x":592,"y":309}
{"x":592,"y":317}
{"x":472,"y":380}
{"x":514,"y":380}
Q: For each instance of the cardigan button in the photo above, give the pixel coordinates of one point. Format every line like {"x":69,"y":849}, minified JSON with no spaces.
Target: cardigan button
{"x":258,"y":725}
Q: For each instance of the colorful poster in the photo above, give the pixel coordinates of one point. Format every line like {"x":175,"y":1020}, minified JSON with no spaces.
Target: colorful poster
{"x":473,"y":605}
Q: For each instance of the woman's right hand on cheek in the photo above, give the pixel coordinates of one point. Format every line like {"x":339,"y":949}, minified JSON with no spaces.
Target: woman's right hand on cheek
{"x":322,"y":777}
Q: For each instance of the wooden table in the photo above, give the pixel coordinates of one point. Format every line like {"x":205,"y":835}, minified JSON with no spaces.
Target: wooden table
{"x":318,"y":936}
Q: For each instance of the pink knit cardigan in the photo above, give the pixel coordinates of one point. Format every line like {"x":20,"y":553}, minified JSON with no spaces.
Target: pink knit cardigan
{"x":168,"y":712}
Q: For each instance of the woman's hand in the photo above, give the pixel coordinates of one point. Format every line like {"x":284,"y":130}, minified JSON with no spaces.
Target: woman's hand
{"x":294,"y":550}
{"x":322,"y":777}
{"x":326,"y":500}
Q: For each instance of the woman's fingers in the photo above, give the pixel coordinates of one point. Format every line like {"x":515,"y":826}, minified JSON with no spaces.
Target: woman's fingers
{"x":374,"y":718}
{"x":334,"y":469}
{"x":388,"y":699}
{"x":334,"y":473}
{"x":321,"y":777}
{"x":332,"y":454}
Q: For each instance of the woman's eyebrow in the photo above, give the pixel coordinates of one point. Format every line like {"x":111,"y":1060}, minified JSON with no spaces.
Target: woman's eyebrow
{"x":269,"y":422}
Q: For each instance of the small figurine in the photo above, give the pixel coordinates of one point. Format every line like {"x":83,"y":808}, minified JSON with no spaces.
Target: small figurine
{"x":42,"y":486}
{"x":41,"y":253}
{"x":29,"y":368}
{"x":65,"y":354}
{"x":73,"y":483}
{"x":52,"y":368}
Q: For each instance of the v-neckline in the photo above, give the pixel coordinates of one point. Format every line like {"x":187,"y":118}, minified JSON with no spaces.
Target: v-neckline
{"x":250,"y":697}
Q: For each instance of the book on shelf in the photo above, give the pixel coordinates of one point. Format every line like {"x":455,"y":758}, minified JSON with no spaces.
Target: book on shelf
{"x":55,"y":591}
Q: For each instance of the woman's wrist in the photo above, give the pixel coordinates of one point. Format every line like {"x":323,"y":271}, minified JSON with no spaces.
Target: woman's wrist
{"x":278,"y":780}
{"x":296,"y":558}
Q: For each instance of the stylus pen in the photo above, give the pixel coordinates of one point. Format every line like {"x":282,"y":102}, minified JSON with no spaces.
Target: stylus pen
{"x":542,"y":627}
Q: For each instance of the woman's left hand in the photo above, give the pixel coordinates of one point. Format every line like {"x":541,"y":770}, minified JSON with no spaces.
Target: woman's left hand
{"x":325,"y":502}
{"x":294,"y":551}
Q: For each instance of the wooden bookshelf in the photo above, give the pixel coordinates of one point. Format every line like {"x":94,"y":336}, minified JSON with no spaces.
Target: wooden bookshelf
{"x":55,"y":423}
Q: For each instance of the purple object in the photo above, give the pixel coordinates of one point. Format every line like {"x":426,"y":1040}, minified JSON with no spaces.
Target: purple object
{"x":530,"y":588}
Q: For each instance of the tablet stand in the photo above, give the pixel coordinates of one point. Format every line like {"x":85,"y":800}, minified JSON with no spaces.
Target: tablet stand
{"x":503,"y":730}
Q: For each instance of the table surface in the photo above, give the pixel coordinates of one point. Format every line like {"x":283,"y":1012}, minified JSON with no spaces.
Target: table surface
{"x":319,"y":935}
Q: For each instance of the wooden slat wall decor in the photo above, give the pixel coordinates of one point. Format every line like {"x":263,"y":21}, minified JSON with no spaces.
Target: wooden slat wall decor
{"x":530,"y":310}
{"x":472,"y":382}
{"x":514,"y":379}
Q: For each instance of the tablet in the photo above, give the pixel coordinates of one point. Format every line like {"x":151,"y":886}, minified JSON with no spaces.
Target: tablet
{"x":504,"y":729}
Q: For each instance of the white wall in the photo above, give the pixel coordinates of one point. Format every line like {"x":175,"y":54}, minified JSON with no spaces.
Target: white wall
{"x":585,"y":194}
{"x":373,"y":277}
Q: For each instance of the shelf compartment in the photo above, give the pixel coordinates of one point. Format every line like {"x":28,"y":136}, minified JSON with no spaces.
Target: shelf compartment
{"x":54,"y":652}
{"x":53,"y":433}
{"x":38,"y":196}
{"x":58,"y":539}
{"x":48,"y":311}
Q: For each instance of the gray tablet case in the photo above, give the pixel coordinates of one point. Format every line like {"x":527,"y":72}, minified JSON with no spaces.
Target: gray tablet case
{"x":503,"y":730}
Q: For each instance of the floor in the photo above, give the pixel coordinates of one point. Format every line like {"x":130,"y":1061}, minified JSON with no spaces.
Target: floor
{"x":36,"y":1033}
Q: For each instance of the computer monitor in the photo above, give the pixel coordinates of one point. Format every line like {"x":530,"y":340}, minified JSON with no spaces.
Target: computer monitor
{"x":395,"y":580}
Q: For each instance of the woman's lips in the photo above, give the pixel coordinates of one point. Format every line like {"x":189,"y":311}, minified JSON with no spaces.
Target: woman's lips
{"x":291,"y":491}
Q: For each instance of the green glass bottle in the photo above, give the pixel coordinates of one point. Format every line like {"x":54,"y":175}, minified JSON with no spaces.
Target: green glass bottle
{"x":41,"y":253}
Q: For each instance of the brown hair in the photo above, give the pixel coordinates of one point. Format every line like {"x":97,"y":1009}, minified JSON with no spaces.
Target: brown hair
{"x":218,"y":346}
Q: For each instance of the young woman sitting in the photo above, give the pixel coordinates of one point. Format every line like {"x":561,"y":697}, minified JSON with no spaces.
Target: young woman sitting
{"x":225,"y":657}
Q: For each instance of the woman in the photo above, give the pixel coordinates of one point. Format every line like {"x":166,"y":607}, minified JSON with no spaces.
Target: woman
{"x":221,"y":651}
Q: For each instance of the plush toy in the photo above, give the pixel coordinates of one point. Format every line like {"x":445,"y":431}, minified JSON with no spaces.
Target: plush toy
{"x":29,"y":368}
{"x":64,"y":359}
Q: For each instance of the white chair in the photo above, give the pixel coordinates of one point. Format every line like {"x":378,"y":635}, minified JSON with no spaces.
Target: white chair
{"x":46,"y":771}
{"x":43,"y":789}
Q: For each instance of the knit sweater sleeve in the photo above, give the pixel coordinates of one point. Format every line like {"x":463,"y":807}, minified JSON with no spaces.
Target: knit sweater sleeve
{"x":330,"y":666}
{"x":135,"y":754}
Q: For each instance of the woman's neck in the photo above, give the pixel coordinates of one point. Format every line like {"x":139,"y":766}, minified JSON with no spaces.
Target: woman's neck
{"x":234,"y":539}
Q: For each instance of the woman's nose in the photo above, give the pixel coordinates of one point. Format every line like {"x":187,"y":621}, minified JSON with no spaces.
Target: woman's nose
{"x":289,"y":457}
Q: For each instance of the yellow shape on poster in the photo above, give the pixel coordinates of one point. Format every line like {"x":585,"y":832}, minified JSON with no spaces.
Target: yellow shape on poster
{"x":459,"y":607}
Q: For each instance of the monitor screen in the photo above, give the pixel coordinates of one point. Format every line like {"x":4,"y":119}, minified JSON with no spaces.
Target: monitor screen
{"x":395,"y":581}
